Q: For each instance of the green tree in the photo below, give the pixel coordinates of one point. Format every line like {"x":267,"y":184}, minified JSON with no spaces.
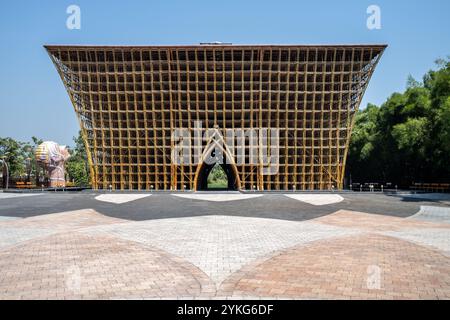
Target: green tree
{"x":30,"y":149}
{"x":13,"y":153}
{"x":407,"y":139}
{"x":410,"y":135}
{"x":444,"y":125}
{"x":217,"y":178}
{"x":77,"y":166}
{"x":20,"y":158}
{"x":365,"y":140}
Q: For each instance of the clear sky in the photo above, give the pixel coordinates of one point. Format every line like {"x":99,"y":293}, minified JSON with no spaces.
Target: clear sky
{"x":32,"y":97}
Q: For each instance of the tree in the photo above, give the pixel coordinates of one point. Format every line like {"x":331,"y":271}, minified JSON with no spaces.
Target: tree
{"x":444,"y":124}
{"x":30,"y":160}
{"x":20,"y":157}
{"x":217,"y":178}
{"x":12,"y":152}
{"x":410,"y":135}
{"x":77,"y":166}
{"x":22,"y":163}
{"x":407,"y":139}
{"x":365,"y":139}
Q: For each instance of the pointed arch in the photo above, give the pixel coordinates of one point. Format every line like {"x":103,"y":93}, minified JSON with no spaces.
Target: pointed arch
{"x":216,"y":140}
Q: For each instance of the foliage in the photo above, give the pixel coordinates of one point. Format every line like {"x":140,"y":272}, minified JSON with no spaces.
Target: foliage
{"x":77,"y":166}
{"x":410,"y":135}
{"x":17,"y":154}
{"x":14,"y":153}
{"x":19,"y":157}
{"x":407,"y":139}
{"x":217,"y":178}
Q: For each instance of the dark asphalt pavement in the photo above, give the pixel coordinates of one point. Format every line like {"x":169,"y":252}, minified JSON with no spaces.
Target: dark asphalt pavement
{"x":165,"y":205}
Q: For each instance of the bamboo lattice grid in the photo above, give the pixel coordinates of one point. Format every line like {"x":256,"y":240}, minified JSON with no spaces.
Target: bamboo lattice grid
{"x":129,"y":99}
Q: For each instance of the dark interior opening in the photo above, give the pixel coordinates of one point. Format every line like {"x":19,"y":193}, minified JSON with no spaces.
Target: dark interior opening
{"x":202,"y":182}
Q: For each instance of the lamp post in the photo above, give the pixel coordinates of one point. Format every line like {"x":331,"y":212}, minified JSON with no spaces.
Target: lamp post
{"x":5,"y":164}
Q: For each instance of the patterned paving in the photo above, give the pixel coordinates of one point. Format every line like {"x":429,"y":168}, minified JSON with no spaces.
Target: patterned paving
{"x":220,"y":245}
{"x":358,"y":267}
{"x":12,"y":235}
{"x":433,"y":214}
{"x":118,"y":198}
{"x":4,"y":195}
{"x":77,"y":266}
{"x":15,"y":231}
{"x":218,"y":197}
{"x":437,"y":238}
{"x":63,"y":221}
{"x":374,"y":223}
{"x":317,"y":199}
{"x":83,"y":254}
{"x":3,"y":218}
{"x":162,"y":205}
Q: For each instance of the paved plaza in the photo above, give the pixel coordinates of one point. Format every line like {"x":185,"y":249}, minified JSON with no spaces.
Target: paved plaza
{"x":87,"y":245}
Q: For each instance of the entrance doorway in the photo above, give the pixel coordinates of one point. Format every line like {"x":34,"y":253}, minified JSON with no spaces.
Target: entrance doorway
{"x":218,"y":175}
{"x":217,"y":166}
{"x":217,"y":178}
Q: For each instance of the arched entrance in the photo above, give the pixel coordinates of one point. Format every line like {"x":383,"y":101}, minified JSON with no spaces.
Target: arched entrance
{"x":202,"y":181}
{"x":216,"y":152}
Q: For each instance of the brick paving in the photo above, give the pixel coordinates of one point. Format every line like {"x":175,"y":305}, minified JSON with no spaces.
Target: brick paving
{"x":120,"y":198}
{"x":217,"y":197}
{"x":3,"y":218}
{"x":340,"y":269}
{"x":77,"y":266}
{"x":68,"y":220}
{"x":316,"y":199}
{"x":433,"y":214}
{"x":221,"y":245}
{"x":12,"y":235}
{"x":15,"y":231}
{"x":17,"y":195}
{"x":437,"y":238}
{"x":374,"y":222}
{"x":83,"y":254}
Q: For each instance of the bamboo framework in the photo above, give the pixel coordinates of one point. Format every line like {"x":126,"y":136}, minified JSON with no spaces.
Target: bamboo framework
{"x":130,"y":99}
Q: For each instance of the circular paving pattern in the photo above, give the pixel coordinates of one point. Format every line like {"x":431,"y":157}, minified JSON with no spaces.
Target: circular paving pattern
{"x":358,"y":267}
{"x":269,"y":246}
{"x":76,"y":266}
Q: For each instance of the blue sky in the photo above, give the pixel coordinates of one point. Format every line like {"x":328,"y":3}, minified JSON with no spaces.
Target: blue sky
{"x":33,"y":100}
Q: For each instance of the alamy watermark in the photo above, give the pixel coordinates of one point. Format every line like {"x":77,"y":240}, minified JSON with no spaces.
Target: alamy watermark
{"x":73,"y":21}
{"x":373,"y":280}
{"x":254,"y":146}
{"x":374,"y":20}
{"x":73,"y":279}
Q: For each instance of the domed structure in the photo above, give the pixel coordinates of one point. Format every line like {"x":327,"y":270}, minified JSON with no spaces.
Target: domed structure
{"x":52,"y":157}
